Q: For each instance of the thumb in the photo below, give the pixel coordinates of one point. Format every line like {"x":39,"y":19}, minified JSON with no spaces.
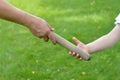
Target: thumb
{"x":79,"y":43}
{"x":76,"y":40}
{"x":51,"y":28}
{"x":52,"y":38}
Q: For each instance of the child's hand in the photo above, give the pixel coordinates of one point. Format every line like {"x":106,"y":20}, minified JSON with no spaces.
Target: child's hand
{"x":81,"y":45}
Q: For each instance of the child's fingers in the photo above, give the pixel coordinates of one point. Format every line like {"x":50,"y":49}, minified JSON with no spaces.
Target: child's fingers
{"x":77,"y":56}
{"x":81,"y":44}
{"x":72,"y":53}
{"x":76,"y":40}
{"x":81,"y":58}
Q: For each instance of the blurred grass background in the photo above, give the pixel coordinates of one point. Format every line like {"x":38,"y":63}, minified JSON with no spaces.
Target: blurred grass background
{"x":25,"y":57}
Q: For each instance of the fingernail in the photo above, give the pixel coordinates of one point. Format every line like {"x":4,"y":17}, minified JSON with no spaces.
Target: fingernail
{"x":78,"y":55}
{"x":69,"y":52}
{"x":80,"y":58}
{"x":73,"y":37}
{"x":53,"y":29}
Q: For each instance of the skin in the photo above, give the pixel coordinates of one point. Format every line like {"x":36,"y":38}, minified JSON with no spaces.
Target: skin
{"x":38,"y":26}
{"x":100,"y":44}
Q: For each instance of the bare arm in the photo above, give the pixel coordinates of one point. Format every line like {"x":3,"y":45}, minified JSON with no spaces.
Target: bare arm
{"x":101,"y":43}
{"x":105,"y":41}
{"x":8,"y":12}
{"x":37,"y":26}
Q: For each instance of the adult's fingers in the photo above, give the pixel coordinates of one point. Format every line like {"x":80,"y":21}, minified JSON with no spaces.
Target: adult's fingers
{"x":52,"y":38}
{"x":46,"y":39}
{"x":51,"y":28}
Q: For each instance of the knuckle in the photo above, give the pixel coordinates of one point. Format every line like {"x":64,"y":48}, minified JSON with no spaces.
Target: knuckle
{"x":38,"y":35}
{"x":47,"y":32}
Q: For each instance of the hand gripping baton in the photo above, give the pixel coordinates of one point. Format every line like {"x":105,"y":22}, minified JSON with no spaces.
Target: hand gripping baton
{"x":68,"y":45}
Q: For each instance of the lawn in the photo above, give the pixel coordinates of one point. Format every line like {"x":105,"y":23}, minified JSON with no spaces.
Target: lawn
{"x":25,"y":57}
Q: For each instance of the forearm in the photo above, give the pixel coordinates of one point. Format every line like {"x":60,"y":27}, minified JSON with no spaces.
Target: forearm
{"x":38,"y":26}
{"x":105,"y":41}
{"x":10,"y":13}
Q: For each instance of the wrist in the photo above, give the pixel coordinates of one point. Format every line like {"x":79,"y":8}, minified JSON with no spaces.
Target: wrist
{"x":30,"y":20}
{"x":26,"y":20}
{"x":88,"y":49}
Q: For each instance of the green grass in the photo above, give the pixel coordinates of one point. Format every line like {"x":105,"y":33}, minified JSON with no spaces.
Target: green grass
{"x":25,"y":57}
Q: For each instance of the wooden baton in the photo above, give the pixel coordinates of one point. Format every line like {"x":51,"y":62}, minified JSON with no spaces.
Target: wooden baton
{"x":68,"y":45}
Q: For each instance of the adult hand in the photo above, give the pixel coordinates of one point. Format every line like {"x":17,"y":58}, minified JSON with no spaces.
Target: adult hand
{"x":40,"y":28}
{"x":80,"y":45}
{"x":37,"y":26}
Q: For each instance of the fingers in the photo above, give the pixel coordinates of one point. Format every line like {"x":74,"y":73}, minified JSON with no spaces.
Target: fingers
{"x":47,"y":36}
{"x":51,"y":28}
{"x":76,"y":40}
{"x":79,"y":44}
{"x":46,"y":39}
{"x":75,"y":55}
{"x":52,"y":38}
